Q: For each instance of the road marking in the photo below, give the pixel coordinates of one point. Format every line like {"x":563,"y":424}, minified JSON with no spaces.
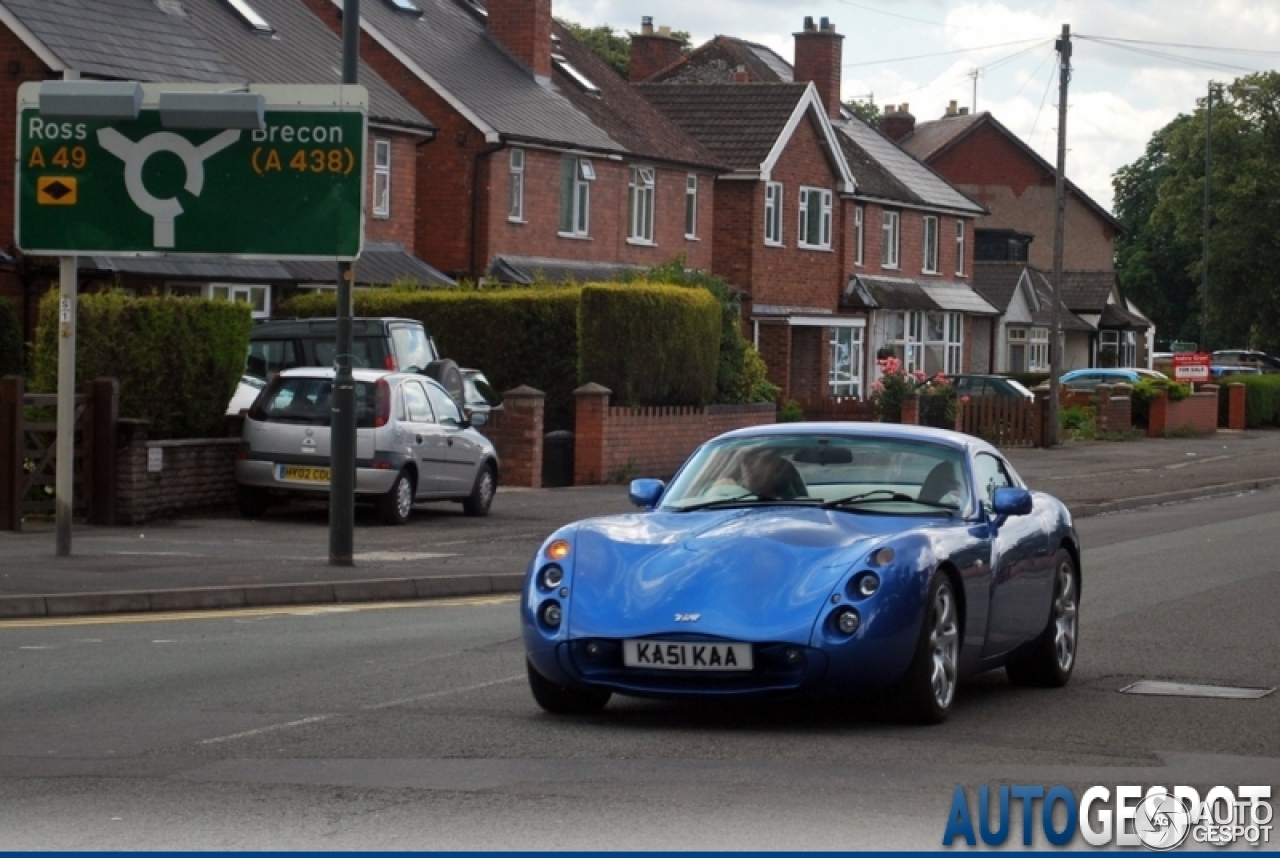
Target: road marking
{"x":1175,"y":467}
{"x":239,"y":613}
{"x":316,"y":719}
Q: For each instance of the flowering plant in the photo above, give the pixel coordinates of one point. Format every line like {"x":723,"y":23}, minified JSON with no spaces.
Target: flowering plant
{"x":937,"y":394}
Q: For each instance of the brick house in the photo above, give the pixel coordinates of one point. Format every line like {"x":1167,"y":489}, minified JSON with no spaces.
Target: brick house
{"x":994,"y":166}
{"x":1024,"y":297}
{"x":895,"y":275}
{"x":548,"y":164}
{"x":262,"y":41}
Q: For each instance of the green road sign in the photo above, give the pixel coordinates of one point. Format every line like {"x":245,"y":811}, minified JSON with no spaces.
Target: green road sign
{"x":292,"y":190}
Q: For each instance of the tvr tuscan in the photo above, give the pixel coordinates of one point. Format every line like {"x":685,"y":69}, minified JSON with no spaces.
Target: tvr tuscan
{"x":826,"y":559}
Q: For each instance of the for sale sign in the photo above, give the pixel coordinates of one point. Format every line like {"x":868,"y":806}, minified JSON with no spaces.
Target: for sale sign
{"x":1191,"y":366}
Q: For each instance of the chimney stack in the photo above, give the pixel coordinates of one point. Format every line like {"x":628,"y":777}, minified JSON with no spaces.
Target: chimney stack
{"x":897,"y":122}
{"x":818,"y":59}
{"x":951,"y":109}
{"x":652,"y":52}
{"x":964,"y":111}
{"x":524,"y":28}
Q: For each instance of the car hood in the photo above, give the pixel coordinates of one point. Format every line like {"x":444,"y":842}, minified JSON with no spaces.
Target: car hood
{"x":758,"y":574}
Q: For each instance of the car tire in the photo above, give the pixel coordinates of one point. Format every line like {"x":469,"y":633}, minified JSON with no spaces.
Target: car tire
{"x":395,"y":506}
{"x":1052,"y":658}
{"x":927,"y":691}
{"x":561,"y":700}
{"x":251,"y":502}
{"x":447,"y":373}
{"x":481,"y":498}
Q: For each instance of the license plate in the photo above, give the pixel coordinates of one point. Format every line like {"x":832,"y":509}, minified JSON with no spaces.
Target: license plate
{"x":682,"y":655}
{"x":302,"y":474}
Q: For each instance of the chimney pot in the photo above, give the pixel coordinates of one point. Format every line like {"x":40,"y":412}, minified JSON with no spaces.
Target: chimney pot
{"x":652,"y":51}
{"x":664,"y":30}
{"x":817,"y":61}
{"x":905,"y":108}
{"x":808,"y":23}
{"x":646,"y":24}
{"x":826,"y":25}
{"x":964,"y":111}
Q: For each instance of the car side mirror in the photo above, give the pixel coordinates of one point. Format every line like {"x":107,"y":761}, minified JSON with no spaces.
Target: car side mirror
{"x":476,"y":418}
{"x":645,"y":492}
{"x":1011,"y":500}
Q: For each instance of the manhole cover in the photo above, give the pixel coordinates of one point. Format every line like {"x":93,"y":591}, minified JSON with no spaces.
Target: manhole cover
{"x":1186,"y":689}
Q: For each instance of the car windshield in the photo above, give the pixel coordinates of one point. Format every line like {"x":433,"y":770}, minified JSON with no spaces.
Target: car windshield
{"x":1020,"y":387}
{"x":846,"y":472}
{"x":309,"y":401}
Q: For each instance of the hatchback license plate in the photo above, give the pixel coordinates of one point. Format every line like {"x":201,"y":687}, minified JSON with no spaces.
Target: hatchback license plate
{"x":685,"y":655}
{"x":302,"y":474}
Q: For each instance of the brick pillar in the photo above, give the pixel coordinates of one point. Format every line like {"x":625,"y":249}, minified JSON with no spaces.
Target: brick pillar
{"x":1158,"y":416}
{"x":591,"y":427}
{"x":1121,"y":419}
{"x":516,"y":430}
{"x":1102,"y":406}
{"x":1235,"y":406}
{"x":911,"y":409}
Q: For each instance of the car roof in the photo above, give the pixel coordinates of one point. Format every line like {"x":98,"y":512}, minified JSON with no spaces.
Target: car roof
{"x":863,"y":429}
{"x":360,"y":325}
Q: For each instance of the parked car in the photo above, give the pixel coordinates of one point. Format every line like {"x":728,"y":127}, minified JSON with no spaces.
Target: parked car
{"x":402,"y":345}
{"x":1218,"y":370}
{"x":413,"y":443}
{"x":990,"y":385}
{"x":809,"y":559}
{"x":247,"y":390}
{"x":479,"y":396}
{"x":1247,"y":357}
{"x":1089,"y":379}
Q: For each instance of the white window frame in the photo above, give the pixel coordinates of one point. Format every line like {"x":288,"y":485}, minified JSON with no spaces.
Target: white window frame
{"x":916,"y":341}
{"x":889,"y":223}
{"x":858,"y":235}
{"x":844,"y":377}
{"x":641,"y":193}
{"x":815,"y":204}
{"x":773,"y":214}
{"x":1125,"y":344}
{"x":381,"y":177}
{"x":691,"y":206}
{"x":1038,"y":350}
{"x":257,"y":296}
{"x":576,"y":177}
{"x":516,"y":166}
{"x":1017,"y":339}
{"x":930,"y":243}
{"x":960,"y":242}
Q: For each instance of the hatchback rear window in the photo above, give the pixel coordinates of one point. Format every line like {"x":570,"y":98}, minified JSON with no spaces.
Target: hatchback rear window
{"x":309,"y":402}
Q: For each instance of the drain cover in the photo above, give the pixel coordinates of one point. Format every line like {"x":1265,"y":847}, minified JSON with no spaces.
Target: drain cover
{"x":1186,"y":689}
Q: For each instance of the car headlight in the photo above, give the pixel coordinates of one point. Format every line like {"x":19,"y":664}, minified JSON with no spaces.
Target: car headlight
{"x":550,"y":614}
{"x":846,"y":621}
{"x":551,"y":576}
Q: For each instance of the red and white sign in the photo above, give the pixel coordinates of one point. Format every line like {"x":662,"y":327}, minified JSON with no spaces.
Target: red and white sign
{"x":1191,"y":366}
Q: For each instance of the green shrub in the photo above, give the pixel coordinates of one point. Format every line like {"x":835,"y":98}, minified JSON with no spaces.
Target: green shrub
{"x":177,"y":360}
{"x":650,"y":345}
{"x":11,"y":348}
{"x":1078,"y":421}
{"x":1261,"y":398}
{"x":1146,"y":389}
{"x":790,"y":412}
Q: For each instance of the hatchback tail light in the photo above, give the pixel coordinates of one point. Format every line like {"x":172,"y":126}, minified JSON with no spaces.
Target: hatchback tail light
{"x":382,"y":403}
{"x":389,"y":362}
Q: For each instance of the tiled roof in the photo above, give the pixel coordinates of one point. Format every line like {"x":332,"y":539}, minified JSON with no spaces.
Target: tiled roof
{"x":738,"y":123}
{"x":623,"y":112}
{"x":1087,"y":291}
{"x":997,"y":281}
{"x":717,"y":61}
{"x":1068,"y":320}
{"x":885,"y":171}
{"x":200,"y":41}
{"x":530,"y":269}
{"x":381,"y":263}
{"x":450,"y":45}
{"x":901,"y":293}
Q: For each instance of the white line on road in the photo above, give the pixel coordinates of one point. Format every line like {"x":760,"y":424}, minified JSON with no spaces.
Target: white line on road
{"x":269,"y":729}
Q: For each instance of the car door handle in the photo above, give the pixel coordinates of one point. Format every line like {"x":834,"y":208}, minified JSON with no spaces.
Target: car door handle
{"x":417,"y":439}
{"x":450,"y":442}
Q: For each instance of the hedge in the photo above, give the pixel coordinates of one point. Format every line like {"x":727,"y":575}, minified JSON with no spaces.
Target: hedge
{"x":1261,"y":398}
{"x":650,"y":345}
{"x":177,"y":360}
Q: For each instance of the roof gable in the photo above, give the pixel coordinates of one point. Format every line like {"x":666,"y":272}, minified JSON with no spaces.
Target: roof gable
{"x":718,"y":61}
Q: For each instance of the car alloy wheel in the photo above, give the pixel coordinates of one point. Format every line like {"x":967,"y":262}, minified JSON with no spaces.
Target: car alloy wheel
{"x":481,"y":497}
{"x":395,"y":506}
{"x":1065,"y":614}
{"x":944,"y":640}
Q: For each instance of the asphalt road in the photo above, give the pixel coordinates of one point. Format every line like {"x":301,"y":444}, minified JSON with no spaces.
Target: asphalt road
{"x":409,"y":726}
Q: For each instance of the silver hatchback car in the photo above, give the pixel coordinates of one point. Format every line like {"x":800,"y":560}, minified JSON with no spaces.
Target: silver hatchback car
{"x":413,"y":443}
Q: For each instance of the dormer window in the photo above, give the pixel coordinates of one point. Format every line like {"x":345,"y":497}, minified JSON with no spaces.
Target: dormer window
{"x":251,"y":16}
{"x":576,"y":76}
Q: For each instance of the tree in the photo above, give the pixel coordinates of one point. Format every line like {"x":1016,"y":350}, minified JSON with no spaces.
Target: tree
{"x":613,"y":48}
{"x":864,"y":110}
{"x":1243,"y":306}
{"x":1155,"y":267}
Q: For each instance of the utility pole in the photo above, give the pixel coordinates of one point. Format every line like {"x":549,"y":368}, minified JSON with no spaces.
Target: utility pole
{"x":342,"y":453}
{"x":1203,"y":345}
{"x":1063,"y":46}
{"x":975,"y":74}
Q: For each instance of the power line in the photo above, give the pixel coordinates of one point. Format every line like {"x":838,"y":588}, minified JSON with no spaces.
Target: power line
{"x":1204,"y":64}
{"x":907,"y":17}
{"x":944,"y":53}
{"x":1180,"y":45}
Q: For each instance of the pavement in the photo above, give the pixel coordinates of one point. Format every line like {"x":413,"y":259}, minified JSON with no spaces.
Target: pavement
{"x":217,"y":560}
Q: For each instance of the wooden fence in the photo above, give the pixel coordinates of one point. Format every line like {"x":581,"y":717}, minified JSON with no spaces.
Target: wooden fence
{"x":1005,"y":421}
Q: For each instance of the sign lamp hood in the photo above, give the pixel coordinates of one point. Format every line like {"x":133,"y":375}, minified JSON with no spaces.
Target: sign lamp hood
{"x":213,"y":110}
{"x":90,"y":99}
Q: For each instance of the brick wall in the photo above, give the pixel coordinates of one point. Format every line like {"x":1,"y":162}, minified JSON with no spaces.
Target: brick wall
{"x":195,"y":474}
{"x":516,"y":430}
{"x":1197,"y":414}
{"x":399,"y":227}
{"x":612,"y":444}
{"x":810,"y":357}
{"x":1114,"y":407}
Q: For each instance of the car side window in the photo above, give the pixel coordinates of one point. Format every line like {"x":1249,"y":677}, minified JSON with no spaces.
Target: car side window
{"x":416,"y":403}
{"x":412,"y":347}
{"x":446,"y":409}
{"x":990,"y":474}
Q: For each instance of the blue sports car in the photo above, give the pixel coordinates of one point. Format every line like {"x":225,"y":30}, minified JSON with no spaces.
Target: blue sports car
{"x":825,"y":559}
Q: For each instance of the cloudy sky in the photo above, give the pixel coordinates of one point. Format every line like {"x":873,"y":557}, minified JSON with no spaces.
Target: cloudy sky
{"x":1136,"y":64}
